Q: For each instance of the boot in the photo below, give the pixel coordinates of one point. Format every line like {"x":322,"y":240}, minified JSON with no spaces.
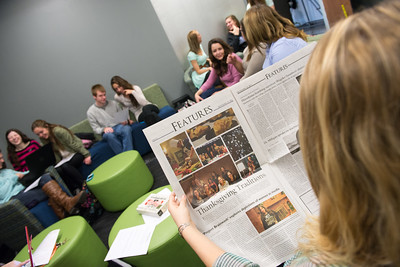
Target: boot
{"x":54,"y":192}
{"x":58,"y":210}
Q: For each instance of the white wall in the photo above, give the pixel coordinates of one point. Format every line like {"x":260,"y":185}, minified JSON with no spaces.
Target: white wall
{"x":207,"y":16}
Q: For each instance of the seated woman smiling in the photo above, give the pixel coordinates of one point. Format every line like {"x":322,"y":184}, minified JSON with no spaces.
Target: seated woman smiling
{"x":221,"y":56}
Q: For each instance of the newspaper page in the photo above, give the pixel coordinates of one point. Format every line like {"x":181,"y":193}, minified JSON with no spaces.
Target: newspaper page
{"x":208,"y":153}
{"x":270,"y":102}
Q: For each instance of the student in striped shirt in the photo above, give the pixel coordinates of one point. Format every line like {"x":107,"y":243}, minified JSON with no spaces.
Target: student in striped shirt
{"x":19,"y":146}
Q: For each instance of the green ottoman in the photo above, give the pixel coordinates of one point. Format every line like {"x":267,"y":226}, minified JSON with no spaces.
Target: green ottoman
{"x":82,"y":248}
{"x":121,"y":180}
{"x":167,"y":247}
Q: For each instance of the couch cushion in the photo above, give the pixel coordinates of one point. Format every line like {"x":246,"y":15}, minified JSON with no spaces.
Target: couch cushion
{"x":155,"y":95}
{"x":84,"y":127}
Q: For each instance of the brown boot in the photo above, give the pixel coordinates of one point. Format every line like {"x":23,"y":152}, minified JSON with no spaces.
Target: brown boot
{"x":58,"y":210}
{"x":54,"y":192}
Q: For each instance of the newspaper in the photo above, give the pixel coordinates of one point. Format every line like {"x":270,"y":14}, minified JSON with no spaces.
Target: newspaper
{"x":236,"y":157}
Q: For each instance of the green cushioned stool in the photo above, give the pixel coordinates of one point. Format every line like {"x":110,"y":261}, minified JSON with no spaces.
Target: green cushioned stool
{"x":121,"y":180}
{"x":82,"y":247}
{"x":167,"y":247}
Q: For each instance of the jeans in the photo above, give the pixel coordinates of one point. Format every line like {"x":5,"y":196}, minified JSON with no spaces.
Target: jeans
{"x":121,"y":139}
{"x":34,"y":196}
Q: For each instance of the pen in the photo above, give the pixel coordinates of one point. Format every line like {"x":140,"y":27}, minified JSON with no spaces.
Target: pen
{"x":29,"y":245}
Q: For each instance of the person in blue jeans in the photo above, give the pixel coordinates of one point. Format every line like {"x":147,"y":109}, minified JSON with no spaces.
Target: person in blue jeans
{"x":103,"y":118}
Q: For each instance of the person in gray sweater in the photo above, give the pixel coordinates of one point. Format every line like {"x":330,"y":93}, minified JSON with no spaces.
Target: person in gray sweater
{"x":103,"y":118}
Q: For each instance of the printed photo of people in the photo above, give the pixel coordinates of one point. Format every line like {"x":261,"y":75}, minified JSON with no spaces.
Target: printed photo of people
{"x":248,"y":165}
{"x":270,"y":212}
{"x":237,"y":143}
{"x":213,"y":127}
{"x":211,"y":151}
{"x":208,"y":181}
{"x":181,"y":155}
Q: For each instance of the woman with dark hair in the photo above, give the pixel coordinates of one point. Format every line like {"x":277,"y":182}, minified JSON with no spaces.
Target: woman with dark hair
{"x":19,"y":146}
{"x":198,"y":59}
{"x":221,"y":57}
{"x":65,"y":144}
{"x":132,"y":97}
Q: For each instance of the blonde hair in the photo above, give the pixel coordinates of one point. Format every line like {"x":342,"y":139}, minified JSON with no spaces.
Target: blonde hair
{"x":193,"y":41}
{"x":264,"y":25}
{"x":350,"y":140}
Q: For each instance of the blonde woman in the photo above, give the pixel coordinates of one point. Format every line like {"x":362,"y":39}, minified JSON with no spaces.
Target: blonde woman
{"x":265,"y":26}
{"x":198,"y":59}
{"x":349,"y":135}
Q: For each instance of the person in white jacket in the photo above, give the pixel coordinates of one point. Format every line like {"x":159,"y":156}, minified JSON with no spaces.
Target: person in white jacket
{"x":132,"y":97}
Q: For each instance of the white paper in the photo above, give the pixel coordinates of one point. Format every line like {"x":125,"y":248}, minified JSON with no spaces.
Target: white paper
{"x":64,"y":160}
{"x":122,"y":115}
{"x":133,"y":241}
{"x":33,"y":185}
{"x":42,"y":254}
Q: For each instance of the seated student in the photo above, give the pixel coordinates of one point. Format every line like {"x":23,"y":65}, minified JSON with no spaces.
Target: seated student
{"x":65,"y":144}
{"x":19,"y":146}
{"x":252,"y":62}
{"x":132,"y":97}
{"x":265,"y":26}
{"x":349,"y":137}
{"x":221,"y":55}
{"x":234,"y":39}
{"x":198,"y":59}
{"x":59,"y":201}
{"x":101,"y":116}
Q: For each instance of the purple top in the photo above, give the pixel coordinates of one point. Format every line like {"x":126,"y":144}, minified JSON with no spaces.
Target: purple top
{"x":231,"y":77}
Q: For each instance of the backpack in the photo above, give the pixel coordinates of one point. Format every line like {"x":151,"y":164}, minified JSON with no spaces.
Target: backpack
{"x":91,"y":209}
